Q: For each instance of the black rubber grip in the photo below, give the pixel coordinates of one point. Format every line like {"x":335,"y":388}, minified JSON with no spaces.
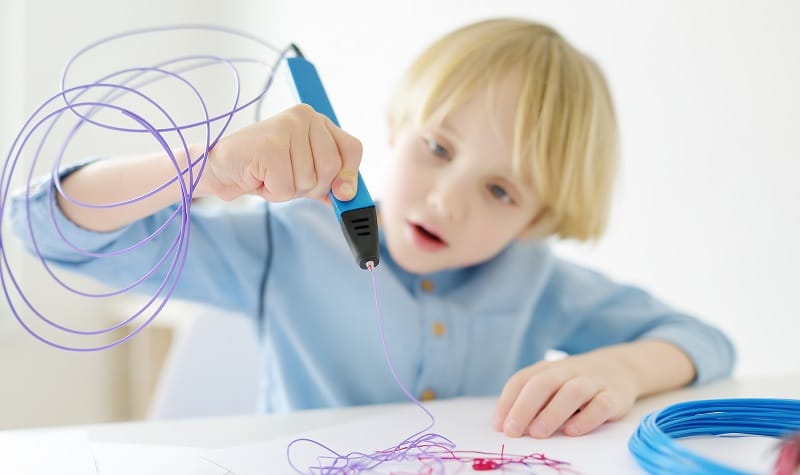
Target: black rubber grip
{"x":360,"y":227}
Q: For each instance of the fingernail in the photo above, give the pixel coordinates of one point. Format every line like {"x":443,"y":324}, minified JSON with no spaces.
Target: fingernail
{"x":346,"y":190}
{"x":537,"y":429}
{"x":572,"y":429}
{"x":346,"y":187}
{"x":511,"y":428}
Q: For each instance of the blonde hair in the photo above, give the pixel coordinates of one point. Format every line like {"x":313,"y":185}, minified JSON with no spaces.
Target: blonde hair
{"x":565,"y":137}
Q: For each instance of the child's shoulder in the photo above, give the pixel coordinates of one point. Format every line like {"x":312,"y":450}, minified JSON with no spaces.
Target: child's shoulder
{"x":540,"y":257}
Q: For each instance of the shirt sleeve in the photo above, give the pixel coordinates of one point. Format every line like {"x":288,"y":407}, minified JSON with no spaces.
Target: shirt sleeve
{"x":606,"y":313}
{"x":223,"y":252}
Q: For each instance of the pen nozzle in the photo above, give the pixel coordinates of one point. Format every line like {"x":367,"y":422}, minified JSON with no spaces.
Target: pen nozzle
{"x":360,"y":227}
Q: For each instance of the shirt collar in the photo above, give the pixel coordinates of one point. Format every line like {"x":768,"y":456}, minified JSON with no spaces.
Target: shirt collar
{"x":443,"y":281}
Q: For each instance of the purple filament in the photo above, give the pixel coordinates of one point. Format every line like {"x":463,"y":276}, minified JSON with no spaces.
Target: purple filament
{"x":430,"y":451}
{"x":112,"y":87}
{"x":415,"y":447}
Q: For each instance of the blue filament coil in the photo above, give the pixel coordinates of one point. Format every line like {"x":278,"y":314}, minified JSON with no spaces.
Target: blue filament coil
{"x":653,"y":444}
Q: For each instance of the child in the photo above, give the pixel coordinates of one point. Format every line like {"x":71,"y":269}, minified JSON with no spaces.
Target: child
{"x":503,"y":134}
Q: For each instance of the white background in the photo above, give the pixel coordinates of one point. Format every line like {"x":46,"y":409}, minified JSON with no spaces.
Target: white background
{"x":706,"y":213}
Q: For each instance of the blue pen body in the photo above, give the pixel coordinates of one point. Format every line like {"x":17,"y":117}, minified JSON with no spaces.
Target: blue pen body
{"x":357,"y":217}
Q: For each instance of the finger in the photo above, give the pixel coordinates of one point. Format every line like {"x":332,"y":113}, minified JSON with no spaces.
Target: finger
{"x":302,"y":160}
{"x":350,"y":150}
{"x":277,"y":176}
{"x":327,"y":161}
{"x":507,"y":397}
{"x":269,"y":167}
{"x":532,"y":398}
{"x":510,"y":392}
{"x":600,"y":409}
{"x":567,"y":400}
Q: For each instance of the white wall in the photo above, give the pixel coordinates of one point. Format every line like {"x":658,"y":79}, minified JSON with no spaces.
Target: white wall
{"x":706,"y":214}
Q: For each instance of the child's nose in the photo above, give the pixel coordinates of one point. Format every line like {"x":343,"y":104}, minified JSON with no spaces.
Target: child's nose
{"x":449,"y":199}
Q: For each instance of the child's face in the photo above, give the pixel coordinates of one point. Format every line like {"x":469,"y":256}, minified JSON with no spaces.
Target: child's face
{"x":452,"y":199}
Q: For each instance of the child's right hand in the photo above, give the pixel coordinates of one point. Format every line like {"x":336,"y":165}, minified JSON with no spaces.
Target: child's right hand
{"x":297,"y":153}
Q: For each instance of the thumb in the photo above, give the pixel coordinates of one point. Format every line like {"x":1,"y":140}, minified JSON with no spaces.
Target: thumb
{"x":345,"y":184}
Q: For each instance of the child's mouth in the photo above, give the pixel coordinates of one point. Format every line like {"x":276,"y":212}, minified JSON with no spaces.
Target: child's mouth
{"x":425,"y":239}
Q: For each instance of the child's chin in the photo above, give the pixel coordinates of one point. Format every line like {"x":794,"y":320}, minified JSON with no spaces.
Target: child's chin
{"x":416,"y":263}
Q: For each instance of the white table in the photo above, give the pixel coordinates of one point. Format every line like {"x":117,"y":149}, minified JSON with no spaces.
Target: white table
{"x":228,"y":431}
{"x":183,"y":443}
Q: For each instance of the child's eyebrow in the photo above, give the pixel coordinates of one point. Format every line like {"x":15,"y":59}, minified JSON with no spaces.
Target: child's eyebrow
{"x":448,"y":127}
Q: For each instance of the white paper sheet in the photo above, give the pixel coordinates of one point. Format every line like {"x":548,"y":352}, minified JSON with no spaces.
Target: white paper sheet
{"x":64,"y":452}
{"x":138,"y":459}
{"x":69,"y":452}
{"x":464,"y":421}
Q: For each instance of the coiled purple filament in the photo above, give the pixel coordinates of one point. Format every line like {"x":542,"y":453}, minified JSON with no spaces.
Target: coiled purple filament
{"x":71,"y":103}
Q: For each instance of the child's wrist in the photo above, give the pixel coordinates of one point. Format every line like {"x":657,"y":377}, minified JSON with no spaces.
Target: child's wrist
{"x":654,"y":365}
{"x":195,"y":153}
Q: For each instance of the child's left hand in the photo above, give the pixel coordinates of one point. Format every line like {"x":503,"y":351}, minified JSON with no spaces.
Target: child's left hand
{"x":577,"y":393}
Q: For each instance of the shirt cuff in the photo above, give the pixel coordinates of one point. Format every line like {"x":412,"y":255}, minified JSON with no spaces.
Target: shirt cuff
{"x":711,"y":352}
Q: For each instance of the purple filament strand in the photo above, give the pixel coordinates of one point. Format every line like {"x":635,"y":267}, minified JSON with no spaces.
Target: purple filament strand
{"x":112,"y":87}
{"x":430,"y":451}
{"x":415,"y":447}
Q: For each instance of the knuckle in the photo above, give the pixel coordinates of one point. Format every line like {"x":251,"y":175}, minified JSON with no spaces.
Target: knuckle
{"x":518,"y":379}
{"x":327,"y":169}
{"x":605,"y":403}
{"x":577,"y":388}
{"x":542,"y":365}
{"x":353,"y":148}
{"x":303,"y":111}
{"x":548,"y":379}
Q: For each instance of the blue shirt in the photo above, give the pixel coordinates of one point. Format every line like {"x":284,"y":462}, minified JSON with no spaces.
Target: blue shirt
{"x":459,"y":332}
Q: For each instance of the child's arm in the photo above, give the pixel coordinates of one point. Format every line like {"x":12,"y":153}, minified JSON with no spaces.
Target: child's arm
{"x":583,"y":391}
{"x":626,"y":345}
{"x":227,"y":253}
{"x":296,"y":153}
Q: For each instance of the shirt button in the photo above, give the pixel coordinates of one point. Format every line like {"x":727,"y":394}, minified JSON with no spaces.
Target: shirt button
{"x":427,"y":395}
{"x":427,"y":285}
{"x":438,"y":328}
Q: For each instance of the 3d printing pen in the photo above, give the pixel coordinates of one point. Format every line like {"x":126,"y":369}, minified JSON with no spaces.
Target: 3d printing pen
{"x":357,"y":217}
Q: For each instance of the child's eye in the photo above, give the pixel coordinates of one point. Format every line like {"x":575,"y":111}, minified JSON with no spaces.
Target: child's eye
{"x":500,"y":193}
{"x":437,"y":149}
